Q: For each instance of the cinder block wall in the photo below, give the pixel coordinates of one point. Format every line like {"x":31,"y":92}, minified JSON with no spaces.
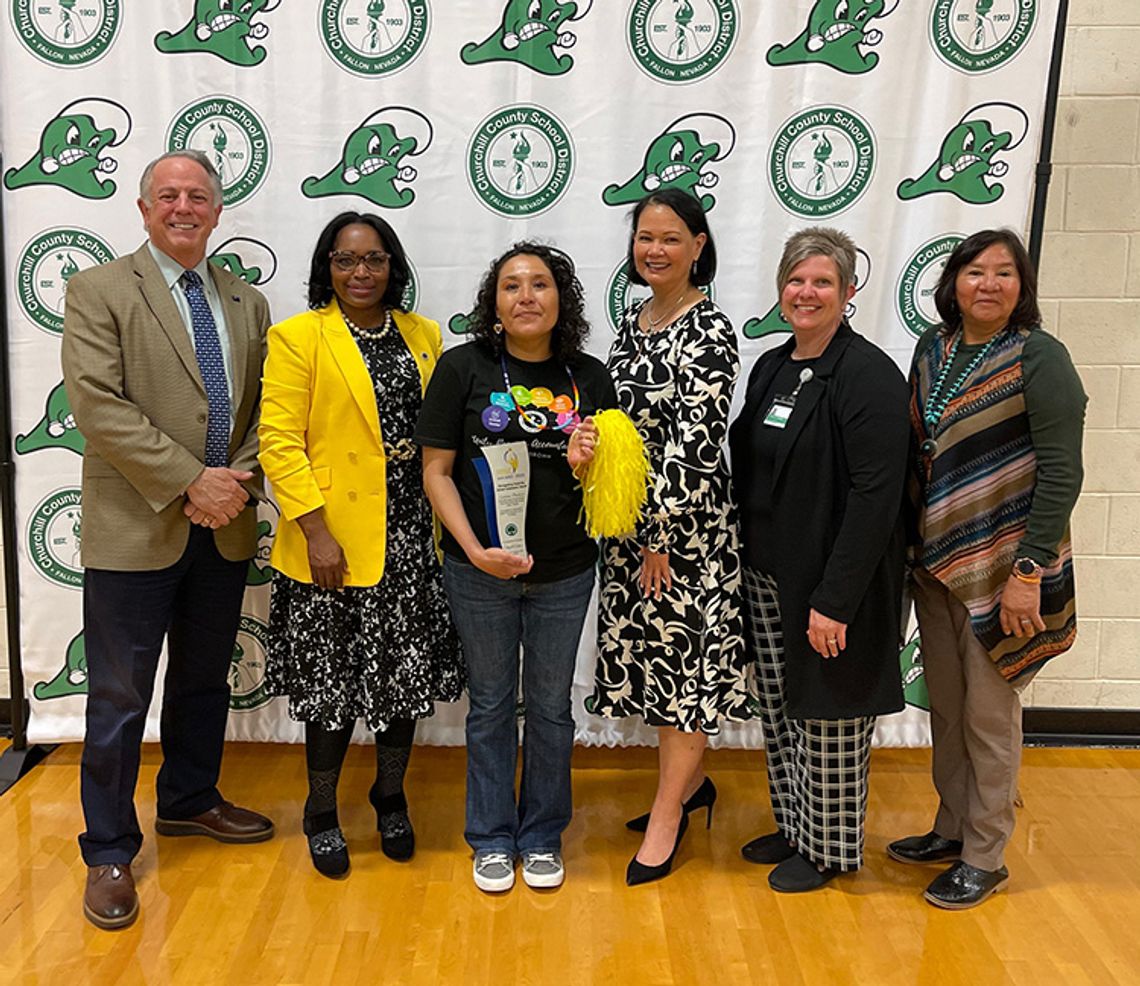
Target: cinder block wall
{"x":1090,"y":286}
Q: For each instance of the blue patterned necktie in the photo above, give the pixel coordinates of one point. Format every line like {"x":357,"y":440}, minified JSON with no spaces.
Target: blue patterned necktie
{"x":209,"y":352}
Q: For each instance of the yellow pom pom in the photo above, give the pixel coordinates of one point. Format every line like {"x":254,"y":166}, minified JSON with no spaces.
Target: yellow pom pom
{"x":614,"y":490}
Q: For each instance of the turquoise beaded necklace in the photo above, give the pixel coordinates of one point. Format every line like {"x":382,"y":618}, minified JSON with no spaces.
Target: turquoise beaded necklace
{"x":938,"y":398}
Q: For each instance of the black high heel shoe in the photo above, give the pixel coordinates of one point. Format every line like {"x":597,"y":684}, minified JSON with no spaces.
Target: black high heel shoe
{"x":703,"y":797}
{"x":637,"y":873}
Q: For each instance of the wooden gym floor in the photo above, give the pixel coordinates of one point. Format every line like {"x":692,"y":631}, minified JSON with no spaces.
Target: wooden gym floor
{"x":214,"y":914}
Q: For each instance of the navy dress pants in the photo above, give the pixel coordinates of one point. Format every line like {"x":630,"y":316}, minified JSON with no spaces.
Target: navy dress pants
{"x":196,"y":605}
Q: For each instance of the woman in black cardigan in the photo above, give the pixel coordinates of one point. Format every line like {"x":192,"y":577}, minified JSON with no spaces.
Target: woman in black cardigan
{"x":819,"y":457}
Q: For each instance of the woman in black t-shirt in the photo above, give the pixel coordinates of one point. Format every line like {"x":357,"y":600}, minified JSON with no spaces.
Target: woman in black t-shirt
{"x":498,"y":429}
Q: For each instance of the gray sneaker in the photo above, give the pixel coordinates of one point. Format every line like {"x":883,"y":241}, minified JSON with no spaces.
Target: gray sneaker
{"x":543,"y":869}
{"x":494,"y":870}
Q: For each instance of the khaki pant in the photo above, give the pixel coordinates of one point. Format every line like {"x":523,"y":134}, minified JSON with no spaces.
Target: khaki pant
{"x":975,"y":721}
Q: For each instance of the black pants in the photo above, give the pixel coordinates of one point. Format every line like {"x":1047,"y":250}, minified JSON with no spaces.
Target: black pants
{"x":196,"y":605}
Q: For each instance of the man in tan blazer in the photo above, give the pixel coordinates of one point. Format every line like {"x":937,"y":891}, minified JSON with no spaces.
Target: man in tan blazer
{"x":162,"y":356}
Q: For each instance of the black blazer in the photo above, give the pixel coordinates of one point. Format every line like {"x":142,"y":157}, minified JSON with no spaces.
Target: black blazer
{"x":836,"y":496}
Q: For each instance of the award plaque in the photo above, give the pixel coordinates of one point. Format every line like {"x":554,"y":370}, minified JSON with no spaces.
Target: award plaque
{"x":505,"y":476}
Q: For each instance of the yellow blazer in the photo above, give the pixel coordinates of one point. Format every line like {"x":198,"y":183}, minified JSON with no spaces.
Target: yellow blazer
{"x":320,"y":439}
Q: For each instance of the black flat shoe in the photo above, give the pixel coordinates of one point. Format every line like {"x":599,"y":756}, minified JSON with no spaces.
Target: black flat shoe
{"x":796,"y":875}
{"x":637,"y":872}
{"x":327,"y":848}
{"x":964,"y":886}
{"x":929,"y":848}
{"x":397,"y":837}
{"x":703,"y":797}
{"x":768,"y":849}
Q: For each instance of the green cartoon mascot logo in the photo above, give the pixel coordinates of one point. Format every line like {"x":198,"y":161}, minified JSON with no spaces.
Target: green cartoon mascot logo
{"x":913,"y":674}
{"x":528,"y":34}
{"x":71,"y":678}
{"x":251,"y":260}
{"x":967,"y":165}
{"x":372,"y":161}
{"x":460,"y":323}
{"x":224,"y":28}
{"x":677,"y":158}
{"x":56,"y":429}
{"x":773,"y":323}
{"x":836,"y":34}
{"x":259,"y":571}
{"x":71,"y":152}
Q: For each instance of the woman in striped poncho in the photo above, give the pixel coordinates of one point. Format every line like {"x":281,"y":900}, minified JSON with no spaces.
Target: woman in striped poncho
{"x":997,"y":412}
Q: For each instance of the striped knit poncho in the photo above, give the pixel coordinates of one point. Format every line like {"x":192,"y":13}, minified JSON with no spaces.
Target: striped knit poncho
{"x":973,"y":498}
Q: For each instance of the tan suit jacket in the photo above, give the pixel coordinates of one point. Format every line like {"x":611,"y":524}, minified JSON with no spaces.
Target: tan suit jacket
{"x":133,"y":382}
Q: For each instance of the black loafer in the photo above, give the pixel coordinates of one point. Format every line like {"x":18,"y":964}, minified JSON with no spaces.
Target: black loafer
{"x":795,"y":875}
{"x":768,"y":849}
{"x":964,"y":886}
{"x":929,"y":848}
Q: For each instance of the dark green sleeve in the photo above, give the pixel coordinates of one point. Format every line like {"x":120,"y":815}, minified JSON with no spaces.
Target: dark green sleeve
{"x":1055,"y":404}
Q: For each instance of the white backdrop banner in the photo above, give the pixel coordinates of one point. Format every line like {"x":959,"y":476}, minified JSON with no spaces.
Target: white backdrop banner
{"x":470,"y":125}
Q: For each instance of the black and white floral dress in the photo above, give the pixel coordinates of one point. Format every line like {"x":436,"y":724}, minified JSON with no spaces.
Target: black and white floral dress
{"x":678,"y":661}
{"x":386,"y":651}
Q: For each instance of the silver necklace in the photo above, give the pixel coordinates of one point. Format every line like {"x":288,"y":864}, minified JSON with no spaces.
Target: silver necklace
{"x":376,"y":333}
{"x":654,"y":322}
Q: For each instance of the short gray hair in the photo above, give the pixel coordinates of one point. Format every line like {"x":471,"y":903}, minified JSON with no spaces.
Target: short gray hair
{"x":818,"y":241}
{"x":190,"y":154}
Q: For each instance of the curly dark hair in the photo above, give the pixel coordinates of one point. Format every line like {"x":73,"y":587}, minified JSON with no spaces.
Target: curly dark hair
{"x":1026,"y":314}
{"x":693,"y":216}
{"x":571,"y":329}
{"x":320,"y":276}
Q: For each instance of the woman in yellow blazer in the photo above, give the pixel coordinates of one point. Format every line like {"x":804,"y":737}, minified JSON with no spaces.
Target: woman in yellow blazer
{"x":358,"y":623}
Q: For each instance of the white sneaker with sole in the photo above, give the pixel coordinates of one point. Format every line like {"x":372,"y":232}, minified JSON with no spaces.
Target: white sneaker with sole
{"x":543,"y":869}
{"x":494,"y":870}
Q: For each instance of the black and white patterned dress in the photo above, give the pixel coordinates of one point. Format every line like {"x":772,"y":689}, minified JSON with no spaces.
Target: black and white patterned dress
{"x":678,"y":661}
{"x":382,"y":652}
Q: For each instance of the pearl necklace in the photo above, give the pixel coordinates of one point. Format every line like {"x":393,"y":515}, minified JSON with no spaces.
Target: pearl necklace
{"x":377,"y":333}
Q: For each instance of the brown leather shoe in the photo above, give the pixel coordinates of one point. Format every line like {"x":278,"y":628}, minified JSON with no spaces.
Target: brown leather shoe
{"x":110,"y":901}
{"x":225,"y":822}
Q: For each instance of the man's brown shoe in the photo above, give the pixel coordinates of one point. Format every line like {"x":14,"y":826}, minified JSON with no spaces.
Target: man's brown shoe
{"x":225,"y":822}
{"x":110,"y":900}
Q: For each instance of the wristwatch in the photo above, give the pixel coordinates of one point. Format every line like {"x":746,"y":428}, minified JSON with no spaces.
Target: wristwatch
{"x":1027,"y":570}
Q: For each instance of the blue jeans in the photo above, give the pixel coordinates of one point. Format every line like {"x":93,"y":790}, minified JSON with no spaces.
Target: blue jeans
{"x":494,"y":617}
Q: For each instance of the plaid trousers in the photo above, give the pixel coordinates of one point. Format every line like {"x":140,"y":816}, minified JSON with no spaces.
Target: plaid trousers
{"x":817,"y":768}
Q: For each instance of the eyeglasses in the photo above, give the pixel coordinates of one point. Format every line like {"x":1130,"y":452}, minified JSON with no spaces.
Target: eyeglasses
{"x":347,"y":261}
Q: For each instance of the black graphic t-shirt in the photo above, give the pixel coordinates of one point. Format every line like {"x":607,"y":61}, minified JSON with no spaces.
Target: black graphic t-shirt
{"x":469,"y":405}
